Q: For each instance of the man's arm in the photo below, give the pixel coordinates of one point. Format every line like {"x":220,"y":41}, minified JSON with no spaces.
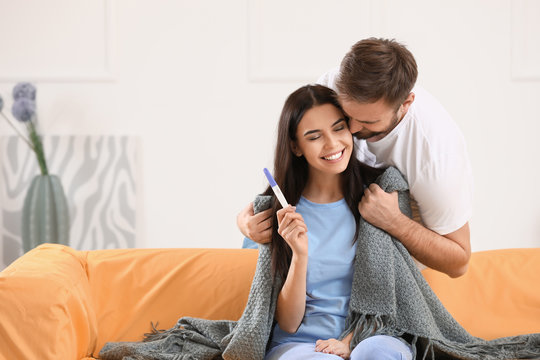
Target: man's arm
{"x":449,"y":253}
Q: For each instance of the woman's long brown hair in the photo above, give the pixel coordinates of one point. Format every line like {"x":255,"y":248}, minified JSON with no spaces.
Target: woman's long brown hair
{"x":291,"y":172}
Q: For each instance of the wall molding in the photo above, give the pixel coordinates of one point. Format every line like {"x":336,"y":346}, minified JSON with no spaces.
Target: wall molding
{"x":303,"y":53}
{"x":525,"y":38}
{"x":105,"y":66}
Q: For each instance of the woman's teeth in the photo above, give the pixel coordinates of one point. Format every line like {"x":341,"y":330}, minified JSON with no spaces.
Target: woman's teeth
{"x":334,"y":157}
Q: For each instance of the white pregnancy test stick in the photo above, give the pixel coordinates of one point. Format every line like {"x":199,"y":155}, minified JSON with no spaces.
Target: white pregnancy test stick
{"x":276,"y":188}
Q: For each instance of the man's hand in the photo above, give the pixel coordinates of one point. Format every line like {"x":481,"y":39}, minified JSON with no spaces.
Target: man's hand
{"x":379,"y":208}
{"x":257,"y":227}
{"x":333,"y":346}
{"x":449,"y":253}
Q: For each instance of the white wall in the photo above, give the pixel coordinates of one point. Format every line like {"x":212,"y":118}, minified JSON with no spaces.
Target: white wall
{"x":202,"y":84}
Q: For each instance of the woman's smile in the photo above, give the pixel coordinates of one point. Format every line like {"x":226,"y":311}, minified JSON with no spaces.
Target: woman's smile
{"x":334,"y":157}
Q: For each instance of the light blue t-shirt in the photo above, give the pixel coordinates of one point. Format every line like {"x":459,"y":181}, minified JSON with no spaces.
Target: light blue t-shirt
{"x":331,"y":250}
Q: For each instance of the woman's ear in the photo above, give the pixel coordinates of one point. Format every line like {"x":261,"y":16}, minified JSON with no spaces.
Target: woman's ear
{"x":295,"y":149}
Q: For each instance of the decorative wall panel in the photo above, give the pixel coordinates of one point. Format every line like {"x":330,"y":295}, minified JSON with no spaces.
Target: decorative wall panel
{"x":98,"y":174}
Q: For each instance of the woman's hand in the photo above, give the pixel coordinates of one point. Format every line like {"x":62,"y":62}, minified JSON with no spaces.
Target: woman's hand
{"x":333,"y":346}
{"x":293,"y":229}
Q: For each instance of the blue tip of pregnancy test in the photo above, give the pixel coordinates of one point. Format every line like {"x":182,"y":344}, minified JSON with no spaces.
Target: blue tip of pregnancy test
{"x":269,"y":177}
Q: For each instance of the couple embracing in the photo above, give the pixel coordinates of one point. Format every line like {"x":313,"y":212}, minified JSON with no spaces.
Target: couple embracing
{"x":380,"y":184}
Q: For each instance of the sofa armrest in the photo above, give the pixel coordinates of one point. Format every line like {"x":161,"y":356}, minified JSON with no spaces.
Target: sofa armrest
{"x":46,"y":309}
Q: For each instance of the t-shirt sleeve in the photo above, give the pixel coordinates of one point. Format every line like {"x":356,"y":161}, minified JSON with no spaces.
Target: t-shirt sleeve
{"x":249,"y":244}
{"x":444,"y":193}
{"x":328,"y":79}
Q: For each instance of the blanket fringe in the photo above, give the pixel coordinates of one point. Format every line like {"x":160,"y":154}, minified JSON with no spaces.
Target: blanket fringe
{"x":429,"y":351}
{"x":364,"y":326}
{"x":522,"y":347}
{"x":157,"y":334}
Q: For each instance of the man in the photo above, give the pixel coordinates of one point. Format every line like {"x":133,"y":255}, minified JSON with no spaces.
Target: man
{"x":398,"y":124}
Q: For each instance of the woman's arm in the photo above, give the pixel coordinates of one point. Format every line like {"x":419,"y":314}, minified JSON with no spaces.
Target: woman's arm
{"x":291,"y":303}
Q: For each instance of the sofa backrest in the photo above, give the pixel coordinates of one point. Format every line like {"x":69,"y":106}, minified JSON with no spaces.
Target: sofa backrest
{"x":132,"y":288}
{"x":498,"y":296}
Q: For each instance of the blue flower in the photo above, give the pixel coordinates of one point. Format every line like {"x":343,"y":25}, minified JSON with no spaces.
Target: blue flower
{"x":24,"y":90}
{"x":23,"y":109}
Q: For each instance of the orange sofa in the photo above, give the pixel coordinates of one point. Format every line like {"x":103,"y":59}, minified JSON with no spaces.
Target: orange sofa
{"x":59,"y":303}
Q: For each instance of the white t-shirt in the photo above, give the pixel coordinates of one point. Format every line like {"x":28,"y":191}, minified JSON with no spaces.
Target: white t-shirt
{"x":429,"y":150}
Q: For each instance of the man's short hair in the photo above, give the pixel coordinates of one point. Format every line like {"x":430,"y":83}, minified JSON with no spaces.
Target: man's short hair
{"x":377,"y":69}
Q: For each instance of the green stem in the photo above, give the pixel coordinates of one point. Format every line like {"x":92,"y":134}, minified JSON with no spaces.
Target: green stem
{"x":38,"y":147}
{"x":18,"y":132}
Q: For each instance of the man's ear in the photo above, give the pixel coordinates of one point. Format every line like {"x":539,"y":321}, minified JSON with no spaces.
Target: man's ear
{"x":407,"y":103}
{"x":296,"y":150}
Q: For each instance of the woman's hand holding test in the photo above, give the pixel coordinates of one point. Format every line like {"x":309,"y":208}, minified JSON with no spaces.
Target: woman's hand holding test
{"x":291,"y":304}
{"x":293,"y":229}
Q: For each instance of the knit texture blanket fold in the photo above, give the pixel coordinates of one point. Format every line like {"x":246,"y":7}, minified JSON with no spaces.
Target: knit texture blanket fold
{"x":389,"y":296}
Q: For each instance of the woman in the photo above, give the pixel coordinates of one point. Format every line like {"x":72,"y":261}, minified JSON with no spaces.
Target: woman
{"x":313,"y":242}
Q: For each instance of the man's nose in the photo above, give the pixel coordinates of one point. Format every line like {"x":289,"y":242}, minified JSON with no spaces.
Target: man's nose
{"x":355,"y":126}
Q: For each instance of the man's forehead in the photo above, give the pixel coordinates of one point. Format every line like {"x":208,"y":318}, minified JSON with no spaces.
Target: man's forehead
{"x":365,"y":111}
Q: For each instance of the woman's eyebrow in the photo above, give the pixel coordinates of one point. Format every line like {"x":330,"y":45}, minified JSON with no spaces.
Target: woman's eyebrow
{"x":309,"y":132}
{"x":338,"y":121}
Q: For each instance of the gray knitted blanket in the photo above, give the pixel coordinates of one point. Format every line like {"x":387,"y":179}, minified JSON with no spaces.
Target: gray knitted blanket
{"x":389,"y":296}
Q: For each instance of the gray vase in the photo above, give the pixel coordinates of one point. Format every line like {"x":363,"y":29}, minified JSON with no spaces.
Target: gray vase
{"x":45,"y":213}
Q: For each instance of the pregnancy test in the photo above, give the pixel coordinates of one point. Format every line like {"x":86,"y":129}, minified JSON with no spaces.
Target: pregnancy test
{"x":276,"y":188}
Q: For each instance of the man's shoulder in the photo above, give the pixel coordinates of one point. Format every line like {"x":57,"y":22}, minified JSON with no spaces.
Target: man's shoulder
{"x":427,"y":106}
{"x":432,"y":122}
{"x":429,"y":143}
{"x":329,"y":78}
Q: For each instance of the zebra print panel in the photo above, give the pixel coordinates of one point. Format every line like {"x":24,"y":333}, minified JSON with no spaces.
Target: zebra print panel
{"x":98,"y":174}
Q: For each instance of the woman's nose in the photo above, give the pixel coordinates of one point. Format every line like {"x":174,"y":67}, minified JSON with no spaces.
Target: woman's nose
{"x":331,"y":141}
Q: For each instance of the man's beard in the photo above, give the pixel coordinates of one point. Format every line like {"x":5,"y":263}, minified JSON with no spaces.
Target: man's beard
{"x":366,"y":134}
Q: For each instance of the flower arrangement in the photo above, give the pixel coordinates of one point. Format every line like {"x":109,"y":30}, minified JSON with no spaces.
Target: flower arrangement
{"x":24,"y":110}
{"x":45,"y":215}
